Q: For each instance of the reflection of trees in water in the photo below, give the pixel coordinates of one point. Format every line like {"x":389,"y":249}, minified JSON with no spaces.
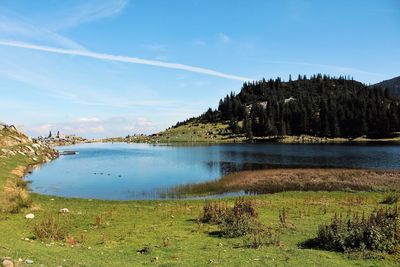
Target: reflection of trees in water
{"x":235,"y":161}
{"x":224,"y":167}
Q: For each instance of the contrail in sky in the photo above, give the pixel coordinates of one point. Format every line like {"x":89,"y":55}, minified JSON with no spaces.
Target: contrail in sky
{"x":126,"y":59}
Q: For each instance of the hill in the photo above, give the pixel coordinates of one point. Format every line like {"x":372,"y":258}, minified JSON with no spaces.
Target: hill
{"x":320,"y":106}
{"x":393,"y":85}
{"x":18,"y":153}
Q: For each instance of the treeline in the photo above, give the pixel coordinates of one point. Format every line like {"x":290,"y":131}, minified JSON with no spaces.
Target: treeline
{"x":320,"y":106}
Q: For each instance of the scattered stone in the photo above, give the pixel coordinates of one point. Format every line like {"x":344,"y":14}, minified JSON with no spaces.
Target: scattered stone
{"x":145,"y":250}
{"x":64,"y":210}
{"x":30,"y":216}
{"x":29,"y":261}
{"x":30,"y":149}
{"x":37,"y":146}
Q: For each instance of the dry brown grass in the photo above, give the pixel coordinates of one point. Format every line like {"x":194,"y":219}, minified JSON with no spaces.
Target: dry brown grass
{"x":279,"y":180}
{"x":15,"y":194}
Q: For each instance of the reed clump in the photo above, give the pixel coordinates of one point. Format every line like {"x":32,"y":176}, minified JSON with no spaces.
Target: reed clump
{"x":51,"y":228}
{"x":236,"y":221}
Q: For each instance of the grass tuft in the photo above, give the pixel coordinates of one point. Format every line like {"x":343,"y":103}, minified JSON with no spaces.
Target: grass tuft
{"x":50,"y":228}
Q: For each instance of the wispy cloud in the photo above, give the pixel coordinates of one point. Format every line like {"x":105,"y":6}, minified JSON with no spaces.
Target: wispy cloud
{"x":199,"y":43}
{"x":14,"y":25}
{"x":342,"y":69}
{"x":126,"y":59}
{"x":223,"y":38}
{"x":89,"y":11}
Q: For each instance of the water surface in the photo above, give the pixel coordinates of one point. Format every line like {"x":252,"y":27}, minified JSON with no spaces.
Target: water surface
{"x":143,"y":171}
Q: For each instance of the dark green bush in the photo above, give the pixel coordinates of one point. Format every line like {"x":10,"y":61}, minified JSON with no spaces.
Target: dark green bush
{"x":214,"y":212}
{"x":237,"y":221}
{"x":237,"y":224}
{"x":245,"y":206}
{"x":379,"y":232}
{"x":263,"y":237}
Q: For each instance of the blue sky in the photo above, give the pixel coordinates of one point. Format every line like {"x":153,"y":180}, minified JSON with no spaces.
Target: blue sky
{"x":117,"y":67}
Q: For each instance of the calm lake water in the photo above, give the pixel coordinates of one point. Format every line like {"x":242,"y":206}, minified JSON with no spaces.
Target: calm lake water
{"x":142,"y":171}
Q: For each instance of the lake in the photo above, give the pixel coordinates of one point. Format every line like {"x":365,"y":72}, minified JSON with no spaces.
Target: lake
{"x":144,"y":171}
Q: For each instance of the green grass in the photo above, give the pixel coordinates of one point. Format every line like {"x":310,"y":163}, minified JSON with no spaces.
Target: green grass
{"x":109,"y":233}
{"x":219,"y":133}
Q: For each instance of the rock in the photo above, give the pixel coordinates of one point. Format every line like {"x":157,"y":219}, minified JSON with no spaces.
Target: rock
{"x":8,"y":263}
{"x":64,"y":210}
{"x":28,"y":261}
{"x":30,"y":149}
{"x":37,"y":146}
{"x":30,"y":216}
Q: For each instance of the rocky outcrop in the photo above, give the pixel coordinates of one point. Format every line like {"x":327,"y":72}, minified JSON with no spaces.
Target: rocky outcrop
{"x":13,"y":143}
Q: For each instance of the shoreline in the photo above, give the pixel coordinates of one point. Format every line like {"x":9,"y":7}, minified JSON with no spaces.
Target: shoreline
{"x":259,"y":140}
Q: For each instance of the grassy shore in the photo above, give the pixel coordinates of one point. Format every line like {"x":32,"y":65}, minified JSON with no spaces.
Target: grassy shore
{"x":281,"y":180}
{"x":219,"y":133}
{"x":110,"y":233}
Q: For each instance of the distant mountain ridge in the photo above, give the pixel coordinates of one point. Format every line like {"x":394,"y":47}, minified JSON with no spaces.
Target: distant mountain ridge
{"x":393,"y":85}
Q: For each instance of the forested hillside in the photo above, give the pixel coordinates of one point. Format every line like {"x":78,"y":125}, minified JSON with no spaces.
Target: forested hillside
{"x":319,"y":106}
{"x":393,"y":85}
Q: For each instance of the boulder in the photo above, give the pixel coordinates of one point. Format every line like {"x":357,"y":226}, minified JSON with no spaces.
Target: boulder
{"x":64,"y":210}
{"x":30,"y":216}
{"x":30,"y":149}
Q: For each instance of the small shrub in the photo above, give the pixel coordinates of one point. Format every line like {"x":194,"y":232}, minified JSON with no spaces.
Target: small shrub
{"x":214,"y":212}
{"x":245,"y":206}
{"x":165,"y":241}
{"x":263,"y":237}
{"x":390,"y":199}
{"x":238,"y":224}
{"x":98,"y":222}
{"x":49,"y":228}
{"x":240,"y":220}
{"x":237,"y":221}
{"x":283,"y":217}
{"x":379,"y":232}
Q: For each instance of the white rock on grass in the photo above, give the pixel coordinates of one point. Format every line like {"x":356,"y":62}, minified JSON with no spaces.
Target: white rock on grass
{"x":30,"y":216}
{"x":28,"y":261}
{"x":64,"y":210}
